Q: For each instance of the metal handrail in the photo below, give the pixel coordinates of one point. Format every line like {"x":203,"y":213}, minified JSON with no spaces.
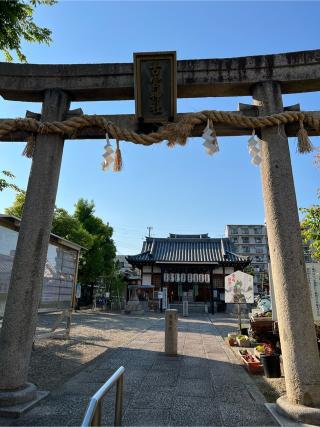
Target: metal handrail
{"x":93,"y":413}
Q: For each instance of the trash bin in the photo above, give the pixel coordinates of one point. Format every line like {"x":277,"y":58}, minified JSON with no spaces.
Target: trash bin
{"x":271,"y":365}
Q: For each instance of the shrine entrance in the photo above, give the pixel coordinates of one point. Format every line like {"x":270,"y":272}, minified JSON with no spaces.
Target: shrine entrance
{"x":154,"y":81}
{"x":193,"y":292}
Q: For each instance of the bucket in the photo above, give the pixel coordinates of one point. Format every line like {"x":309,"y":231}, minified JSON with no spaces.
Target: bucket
{"x":271,"y":365}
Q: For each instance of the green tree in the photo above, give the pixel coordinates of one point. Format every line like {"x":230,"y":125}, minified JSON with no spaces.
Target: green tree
{"x":249,"y":270}
{"x":116,"y":285}
{"x":4,"y":183}
{"x":17,"y":24}
{"x":70,"y":228}
{"x":99,"y":259}
{"x":17,"y":206}
{"x":310,"y":229}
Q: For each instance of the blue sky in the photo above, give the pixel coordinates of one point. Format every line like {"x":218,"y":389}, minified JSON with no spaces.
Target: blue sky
{"x":180,"y":190}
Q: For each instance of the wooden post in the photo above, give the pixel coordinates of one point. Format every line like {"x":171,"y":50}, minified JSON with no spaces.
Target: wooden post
{"x":296,"y":327}
{"x":20,"y":317}
{"x":211,"y":292}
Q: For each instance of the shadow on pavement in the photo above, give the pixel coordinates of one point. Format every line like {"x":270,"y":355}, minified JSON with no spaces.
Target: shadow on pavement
{"x":159,"y":391}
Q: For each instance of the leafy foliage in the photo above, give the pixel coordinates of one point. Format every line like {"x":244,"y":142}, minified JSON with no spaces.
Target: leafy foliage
{"x":17,"y":207}
{"x":4,"y":182}
{"x":16,"y":24}
{"x":114,"y":283}
{"x":249,"y":270}
{"x":99,"y":258}
{"x":69,"y":227}
{"x":310,"y":228}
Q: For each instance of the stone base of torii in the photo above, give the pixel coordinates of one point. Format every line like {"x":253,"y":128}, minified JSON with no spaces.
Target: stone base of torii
{"x":265,"y":78}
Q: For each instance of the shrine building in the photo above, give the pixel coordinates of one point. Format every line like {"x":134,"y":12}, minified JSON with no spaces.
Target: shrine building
{"x":189,"y":267}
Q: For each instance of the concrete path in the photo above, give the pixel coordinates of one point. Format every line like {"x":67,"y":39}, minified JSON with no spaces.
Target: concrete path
{"x":204,"y":385}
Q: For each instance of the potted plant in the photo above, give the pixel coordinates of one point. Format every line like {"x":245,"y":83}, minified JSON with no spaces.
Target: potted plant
{"x":251,"y":362}
{"x":232,"y":339}
{"x":243,"y":340}
{"x":263,"y":348}
{"x":271,"y":362}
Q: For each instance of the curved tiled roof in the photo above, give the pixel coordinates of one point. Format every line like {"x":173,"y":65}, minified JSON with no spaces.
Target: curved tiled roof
{"x":184,"y":249}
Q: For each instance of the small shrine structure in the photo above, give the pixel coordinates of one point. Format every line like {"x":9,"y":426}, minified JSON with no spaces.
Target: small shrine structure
{"x":191,"y":266}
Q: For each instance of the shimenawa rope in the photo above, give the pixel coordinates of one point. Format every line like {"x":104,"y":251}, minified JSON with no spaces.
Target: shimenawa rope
{"x":174,"y":133}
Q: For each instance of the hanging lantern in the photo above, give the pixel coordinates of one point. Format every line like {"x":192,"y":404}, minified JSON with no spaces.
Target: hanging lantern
{"x":189,"y":277}
{"x":177,"y":277}
{"x":195,"y":277}
{"x":166,"y":277}
{"x":171,"y":277}
{"x":207,"y":278}
{"x":201,"y":278}
{"x":183,"y":277}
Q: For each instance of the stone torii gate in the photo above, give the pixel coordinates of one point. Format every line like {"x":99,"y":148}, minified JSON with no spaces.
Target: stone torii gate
{"x":265,"y":78}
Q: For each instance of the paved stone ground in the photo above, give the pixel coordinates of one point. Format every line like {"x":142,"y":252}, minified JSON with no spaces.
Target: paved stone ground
{"x":204,"y":385}
{"x":93,"y":333}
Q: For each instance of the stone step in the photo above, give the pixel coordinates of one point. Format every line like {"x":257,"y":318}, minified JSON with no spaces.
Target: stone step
{"x":193,"y":307}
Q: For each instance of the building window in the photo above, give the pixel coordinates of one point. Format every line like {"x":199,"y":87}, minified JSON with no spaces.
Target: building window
{"x":245,"y":239}
{"x":259,"y":250}
{"x":218,"y":281}
{"x":235,"y":240}
{"x":258,"y":240}
{"x":246,"y":249}
{"x":245,"y":231}
{"x":257,"y":230}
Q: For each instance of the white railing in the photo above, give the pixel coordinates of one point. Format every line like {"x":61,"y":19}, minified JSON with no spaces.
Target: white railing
{"x":94,"y":411}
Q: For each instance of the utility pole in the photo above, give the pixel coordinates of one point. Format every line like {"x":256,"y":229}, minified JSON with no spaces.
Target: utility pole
{"x":149,"y":231}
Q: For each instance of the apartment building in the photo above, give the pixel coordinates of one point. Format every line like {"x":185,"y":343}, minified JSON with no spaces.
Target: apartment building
{"x":252,"y":241}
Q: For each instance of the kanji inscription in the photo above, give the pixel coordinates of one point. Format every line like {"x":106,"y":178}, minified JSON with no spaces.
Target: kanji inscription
{"x":155,"y":86}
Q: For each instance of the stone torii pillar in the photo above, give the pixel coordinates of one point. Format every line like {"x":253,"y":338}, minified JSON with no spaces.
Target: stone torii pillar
{"x":296,"y":326}
{"x":20,"y":317}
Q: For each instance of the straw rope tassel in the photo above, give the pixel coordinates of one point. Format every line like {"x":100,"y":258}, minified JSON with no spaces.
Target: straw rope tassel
{"x":30,"y":146}
{"x":117,"y":165}
{"x":304,"y":143}
{"x":171,"y":142}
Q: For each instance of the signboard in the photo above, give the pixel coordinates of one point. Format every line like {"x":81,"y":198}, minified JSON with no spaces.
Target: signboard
{"x":155,"y":85}
{"x":313,"y":274}
{"x":185,"y":308}
{"x":78,"y":290}
{"x":165,"y":298}
{"x":239,"y":288}
{"x":273,"y":300}
{"x":59,"y":273}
